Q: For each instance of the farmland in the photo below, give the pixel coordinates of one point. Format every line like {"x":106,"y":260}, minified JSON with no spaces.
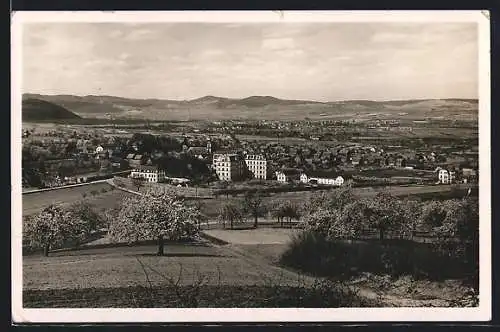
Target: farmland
{"x":119,"y":267}
{"x":35,"y":202}
{"x":243,"y":273}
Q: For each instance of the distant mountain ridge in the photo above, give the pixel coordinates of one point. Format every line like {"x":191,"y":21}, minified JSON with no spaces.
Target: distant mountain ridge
{"x":252,"y":107}
{"x":34,"y":109}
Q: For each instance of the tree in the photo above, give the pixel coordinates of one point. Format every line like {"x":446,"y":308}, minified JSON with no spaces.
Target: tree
{"x":230,"y":212}
{"x":383,"y":213}
{"x":320,"y":221}
{"x":454,"y":218}
{"x":433,"y":214}
{"x":348,"y":223}
{"x":252,"y":204}
{"x":86,"y":217}
{"x":155,"y":215}
{"x":198,"y":205}
{"x":291,"y":211}
{"x":334,"y":200}
{"x":278,"y":212}
{"x":49,"y":228}
{"x":412,"y":211}
{"x":138,"y":182}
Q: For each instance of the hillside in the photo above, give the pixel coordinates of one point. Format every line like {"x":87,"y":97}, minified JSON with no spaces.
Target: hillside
{"x":41,"y":110}
{"x":260,"y":107}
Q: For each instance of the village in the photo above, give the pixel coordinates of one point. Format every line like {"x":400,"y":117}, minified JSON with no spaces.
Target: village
{"x":55,"y":158}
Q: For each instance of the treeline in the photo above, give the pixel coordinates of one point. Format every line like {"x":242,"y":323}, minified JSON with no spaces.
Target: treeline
{"x":338,"y":239}
{"x":155,"y":215}
{"x":58,"y":227}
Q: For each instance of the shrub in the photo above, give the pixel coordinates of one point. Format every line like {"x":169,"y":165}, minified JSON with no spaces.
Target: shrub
{"x":312,"y":253}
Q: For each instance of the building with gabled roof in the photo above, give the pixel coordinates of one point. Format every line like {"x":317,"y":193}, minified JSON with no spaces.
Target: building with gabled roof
{"x":149,"y":173}
{"x":286,"y":175}
{"x":322,"y":177}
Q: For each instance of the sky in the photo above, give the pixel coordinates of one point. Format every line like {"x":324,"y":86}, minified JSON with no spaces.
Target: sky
{"x":311,"y":61}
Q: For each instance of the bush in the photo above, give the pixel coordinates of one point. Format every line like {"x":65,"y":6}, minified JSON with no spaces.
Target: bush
{"x":315,"y":254}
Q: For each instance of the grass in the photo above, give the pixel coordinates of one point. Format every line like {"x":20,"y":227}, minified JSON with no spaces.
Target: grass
{"x":120,"y":267}
{"x":35,"y":202}
{"x":208,"y":296}
{"x":253,"y":236}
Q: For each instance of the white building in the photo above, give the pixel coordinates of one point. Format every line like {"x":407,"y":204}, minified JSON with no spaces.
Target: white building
{"x":288,"y":175}
{"x":445,"y":176}
{"x":148,"y":173}
{"x":228,"y":166}
{"x":322,"y":178}
{"x":257,"y":165}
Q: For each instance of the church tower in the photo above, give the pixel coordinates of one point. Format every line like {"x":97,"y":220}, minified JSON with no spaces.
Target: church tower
{"x":209,"y":146}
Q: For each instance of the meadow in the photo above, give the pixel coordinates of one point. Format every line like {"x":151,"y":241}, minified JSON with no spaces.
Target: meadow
{"x":105,"y":196}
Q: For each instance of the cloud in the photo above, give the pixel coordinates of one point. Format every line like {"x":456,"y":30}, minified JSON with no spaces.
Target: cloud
{"x":289,"y":53}
{"x":124,"y":56}
{"x":116,"y":33}
{"x":389,"y":37}
{"x":278,"y":43}
{"x":139,"y":34}
{"x":212,"y":53}
{"x":307,"y":61}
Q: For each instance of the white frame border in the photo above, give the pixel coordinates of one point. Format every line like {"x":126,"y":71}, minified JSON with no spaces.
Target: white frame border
{"x":481,"y":313}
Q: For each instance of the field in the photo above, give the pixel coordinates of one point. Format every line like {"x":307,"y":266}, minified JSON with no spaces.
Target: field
{"x":211,"y":206}
{"x":121,"y":267}
{"x":289,"y":140}
{"x":243,"y":273}
{"x":253,"y":236}
{"x":35,"y":202}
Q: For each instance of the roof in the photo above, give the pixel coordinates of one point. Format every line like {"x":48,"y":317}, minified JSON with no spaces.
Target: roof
{"x":290,"y":171}
{"x":198,"y":150}
{"x":322,"y":174}
{"x":138,"y":156}
{"x":255,"y":157}
{"x":146,"y":168}
{"x":130,"y":156}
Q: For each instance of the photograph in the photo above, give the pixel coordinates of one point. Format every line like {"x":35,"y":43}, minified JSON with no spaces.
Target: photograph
{"x":250,"y":166}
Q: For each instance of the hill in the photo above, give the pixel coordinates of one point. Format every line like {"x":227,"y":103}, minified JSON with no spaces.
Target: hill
{"x":41,"y":110}
{"x":259,"y":108}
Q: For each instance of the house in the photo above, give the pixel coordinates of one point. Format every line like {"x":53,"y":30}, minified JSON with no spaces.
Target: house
{"x":355,"y":160}
{"x":149,"y":173}
{"x":400,"y":162}
{"x":445,"y":176}
{"x":469,"y":175}
{"x":288,"y":175}
{"x":324,"y":178}
{"x":99,"y":149}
